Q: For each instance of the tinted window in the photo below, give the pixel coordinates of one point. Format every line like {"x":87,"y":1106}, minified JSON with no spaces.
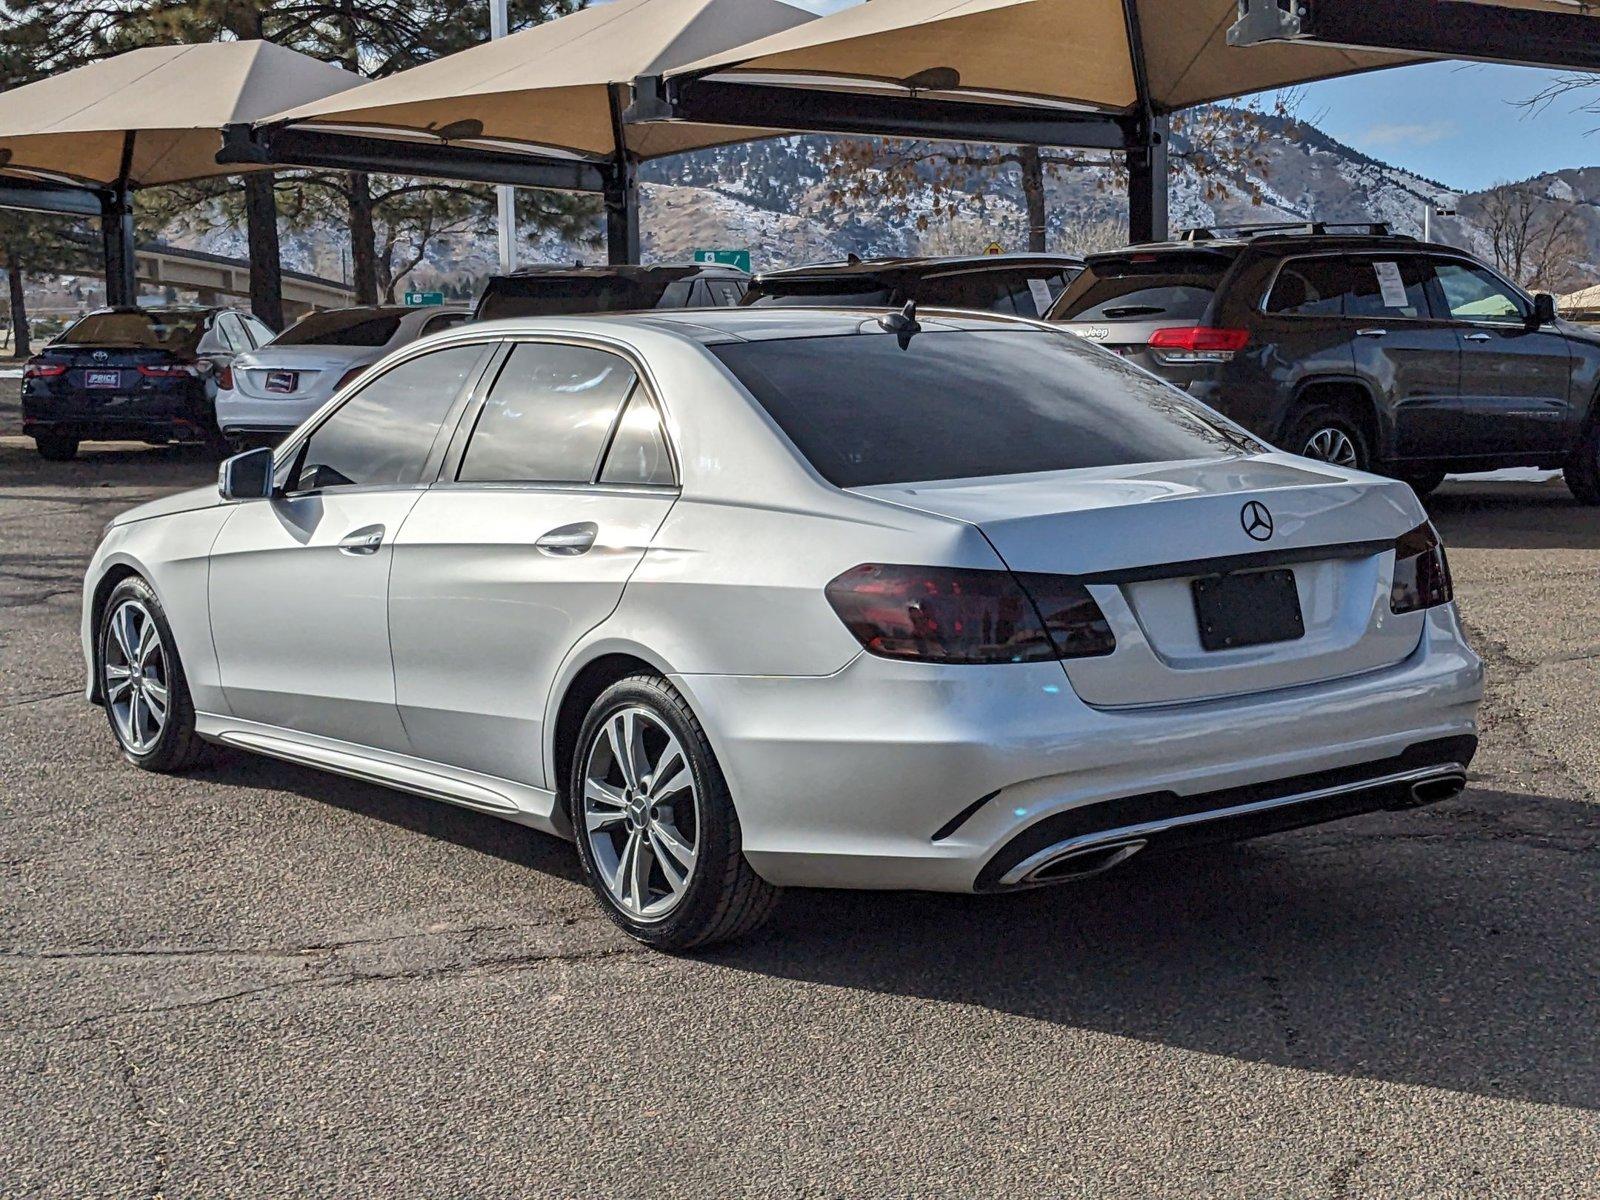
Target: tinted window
{"x":547,"y":417}
{"x":539,"y":296}
{"x":725,"y":292}
{"x":1143,"y":287}
{"x":382,"y":435}
{"x":1473,"y":294}
{"x":958,"y":405}
{"x":638,"y":452}
{"x":343,"y":327}
{"x":158,"y":328}
{"x":981,"y":290}
{"x":860,"y":292}
{"x":232,"y":333}
{"x":1312,"y":287}
{"x":442,"y":322}
{"x":1377,"y":284}
{"x":258,"y":333}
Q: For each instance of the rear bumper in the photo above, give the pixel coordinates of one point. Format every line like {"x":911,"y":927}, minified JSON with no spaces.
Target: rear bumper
{"x":239,"y":415}
{"x":897,"y":775}
{"x":179,"y":415}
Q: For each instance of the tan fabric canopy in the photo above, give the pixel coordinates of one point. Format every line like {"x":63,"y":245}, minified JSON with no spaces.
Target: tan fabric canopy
{"x":550,"y":86}
{"x":174,"y":99}
{"x":1074,"y":51}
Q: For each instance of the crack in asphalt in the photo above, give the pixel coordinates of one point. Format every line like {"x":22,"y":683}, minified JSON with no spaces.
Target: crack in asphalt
{"x":40,"y":699}
{"x":146,"y":1117}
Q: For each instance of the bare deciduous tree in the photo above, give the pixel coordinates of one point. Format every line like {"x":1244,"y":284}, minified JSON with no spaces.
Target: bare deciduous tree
{"x":1536,"y":240}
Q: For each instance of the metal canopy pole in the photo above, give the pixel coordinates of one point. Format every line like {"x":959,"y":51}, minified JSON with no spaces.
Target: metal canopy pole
{"x":621,"y":190}
{"x":116,"y":231}
{"x":1149,"y":185}
{"x":1442,"y":28}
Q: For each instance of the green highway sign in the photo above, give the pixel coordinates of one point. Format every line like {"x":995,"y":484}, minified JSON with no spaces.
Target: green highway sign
{"x":423,"y":299}
{"x":731,"y":258}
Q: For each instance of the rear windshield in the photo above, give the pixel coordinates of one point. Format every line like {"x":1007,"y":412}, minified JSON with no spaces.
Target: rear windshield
{"x":962,"y":405}
{"x":510,"y":296}
{"x":1143,"y":288}
{"x":156,"y":328}
{"x":861,"y":292}
{"x":342,"y":327}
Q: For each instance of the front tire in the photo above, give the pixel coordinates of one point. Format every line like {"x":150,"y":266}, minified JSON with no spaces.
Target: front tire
{"x":142,"y":682}
{"x":1582,"y":471}
{"x":1328,"y":435}
{"x":657,"y":835}
{"x":56,"y":447}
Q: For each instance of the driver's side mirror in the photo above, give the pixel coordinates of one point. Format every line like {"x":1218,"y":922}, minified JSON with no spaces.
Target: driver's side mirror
{"x":246,"y":476}
{"x":1544,"y":309}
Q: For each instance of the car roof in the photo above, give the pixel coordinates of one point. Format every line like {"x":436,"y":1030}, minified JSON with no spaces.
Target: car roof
{"x":714,"y":326}
{"x":919,"y":266}
{"x":653,"y":271}
{"x":1278,"y":243}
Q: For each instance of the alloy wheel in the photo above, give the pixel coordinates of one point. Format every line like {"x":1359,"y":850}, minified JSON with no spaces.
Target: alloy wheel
{"x":1332,"y":445}
{"x":136,"y":680}
{"x":640,"y":814}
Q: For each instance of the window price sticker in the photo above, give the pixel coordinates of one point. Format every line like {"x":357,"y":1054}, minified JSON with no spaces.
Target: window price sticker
{"x":1392,"y":286}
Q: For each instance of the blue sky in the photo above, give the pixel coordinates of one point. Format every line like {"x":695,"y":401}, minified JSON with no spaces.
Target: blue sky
{"x":1454,"y":122}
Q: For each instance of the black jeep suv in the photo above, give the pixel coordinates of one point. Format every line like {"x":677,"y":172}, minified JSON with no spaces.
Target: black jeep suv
{"x":1354,"y":345}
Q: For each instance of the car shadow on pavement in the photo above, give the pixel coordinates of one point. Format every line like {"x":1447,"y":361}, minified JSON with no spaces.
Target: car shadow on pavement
{"x":475,"y":831}
{"x":1455,"y":950}
{"x":1513,"y":516}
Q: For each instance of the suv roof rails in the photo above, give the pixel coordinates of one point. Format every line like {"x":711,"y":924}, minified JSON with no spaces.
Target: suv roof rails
{"x":1285,"y":228}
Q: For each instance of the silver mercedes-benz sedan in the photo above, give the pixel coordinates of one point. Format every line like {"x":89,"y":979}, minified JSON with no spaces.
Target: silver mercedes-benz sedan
{"x":750,"y":598}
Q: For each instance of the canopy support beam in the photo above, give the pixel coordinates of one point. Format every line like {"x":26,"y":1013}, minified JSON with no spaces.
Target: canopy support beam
{"x":307,"y":146}
{"x":116,"y":237}
{"x":1148,"y":186}
{"x":1443,"y":28}
{"x":814,"y":110}
{"x":622,"y":214}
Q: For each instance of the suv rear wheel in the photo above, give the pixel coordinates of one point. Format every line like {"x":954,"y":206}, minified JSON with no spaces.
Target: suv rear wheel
{"x":1582,"y":471}
{"x":1328,"y":435}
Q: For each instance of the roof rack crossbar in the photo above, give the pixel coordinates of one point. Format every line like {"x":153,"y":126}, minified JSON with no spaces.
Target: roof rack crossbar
{"x":1210,"y":233}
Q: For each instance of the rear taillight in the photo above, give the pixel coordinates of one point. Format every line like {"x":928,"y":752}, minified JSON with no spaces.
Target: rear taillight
{"x":35,"y":369}
{"x":963,"y":616}
{"x":349,"y":376}
{"x":169,"y":370}
{"x":225,"y":378}
{"x":1197,"y":344}
{"x":1421,"y":571}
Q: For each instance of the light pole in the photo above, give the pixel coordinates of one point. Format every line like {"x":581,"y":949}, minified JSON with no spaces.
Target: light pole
{"x":1430,"y":210}
{"x":505,"y":194}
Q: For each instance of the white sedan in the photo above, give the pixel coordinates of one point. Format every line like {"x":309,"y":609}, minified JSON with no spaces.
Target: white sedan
{"x":268,"y":392}
{"x":750,"y":598}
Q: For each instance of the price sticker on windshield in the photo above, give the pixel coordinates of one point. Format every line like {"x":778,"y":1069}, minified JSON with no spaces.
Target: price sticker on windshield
{"x":1040,"y":290}
{"x":1392,"y":286}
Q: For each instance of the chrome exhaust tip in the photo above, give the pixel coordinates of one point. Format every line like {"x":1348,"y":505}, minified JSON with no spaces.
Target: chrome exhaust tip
{"x":1084,"y":862}
{"x":1433,"y":789}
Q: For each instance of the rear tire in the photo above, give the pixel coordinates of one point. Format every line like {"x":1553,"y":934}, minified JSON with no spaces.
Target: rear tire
{"x":56,"y":447}
{"x":657,"y":835}
{"x":1329,"y":435}
{"x":1582,"y":471}
{"x":1423,"y":483}
{"x":142,"y":682}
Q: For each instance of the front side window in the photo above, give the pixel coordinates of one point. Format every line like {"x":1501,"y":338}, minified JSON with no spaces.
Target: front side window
{"x":1474,"y":294}
{"x":970,"y":404}
{"x":382,"y":435}
{"x":548,"y":415}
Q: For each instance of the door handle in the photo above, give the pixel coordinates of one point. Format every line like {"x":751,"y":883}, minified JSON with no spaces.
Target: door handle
{"x":362,"y":541}
{"x":569,"y":541}
{"x":1372,"y":333}
{"x":1480,"y":337}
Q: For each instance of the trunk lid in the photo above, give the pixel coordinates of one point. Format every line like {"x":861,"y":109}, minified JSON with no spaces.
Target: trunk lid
{"x":1140,"y":537}
{"x":296,"y":372}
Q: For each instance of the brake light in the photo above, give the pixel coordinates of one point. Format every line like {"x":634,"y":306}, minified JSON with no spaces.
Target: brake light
{"x":1421,"y":571}
{"x":1197,"y":344}
{"x":349,"y":376}
{"x":964,"y":616}
{"x":35,"y":369}
{"x":168,"y":370}
{"x":225,"y":378}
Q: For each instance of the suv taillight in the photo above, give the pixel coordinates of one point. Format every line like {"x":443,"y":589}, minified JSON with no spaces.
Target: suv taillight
{"x":1421,"y":571}
{"x":1193,"y":344}
{"x":965,"y":616}
{"x":37,"y":369}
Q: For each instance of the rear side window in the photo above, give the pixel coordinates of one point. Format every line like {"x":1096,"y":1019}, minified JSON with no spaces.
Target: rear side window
{"x":547,"y":418}
{"x":963,"y":405}
{"x":342,"y":327}
{"x":1142,"y":288}
{"x":381,"y":436}
{"x":1388,"y":287}
{"x":638,"y":453}
{"x":1312,"y":287}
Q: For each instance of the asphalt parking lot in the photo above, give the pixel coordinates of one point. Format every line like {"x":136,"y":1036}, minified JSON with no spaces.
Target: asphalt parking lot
{"x":258,"y":980}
